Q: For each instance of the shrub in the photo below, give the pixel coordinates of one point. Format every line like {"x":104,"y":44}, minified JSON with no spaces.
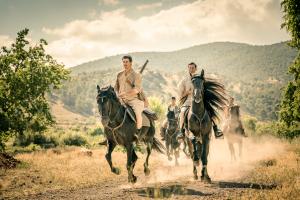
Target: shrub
{"x":74,"y":140}
{"x":96,"y":131}
{"x":278,"y":129}
{"x":41,"y":139}
{"x":157,"y":106}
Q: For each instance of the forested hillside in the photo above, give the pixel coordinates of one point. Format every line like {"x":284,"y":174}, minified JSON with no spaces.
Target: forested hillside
{"x":254,"y":75}
{"x":233,"y":60}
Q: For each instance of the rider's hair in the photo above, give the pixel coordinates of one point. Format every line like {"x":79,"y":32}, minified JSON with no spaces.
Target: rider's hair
{"x":127,"y":57}
{"x":192,"y":63}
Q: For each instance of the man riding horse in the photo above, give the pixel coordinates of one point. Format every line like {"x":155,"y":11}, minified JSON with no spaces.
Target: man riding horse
{"x":185,"y":96}
{"x":173,"y":108}
{"x":129,"y":89}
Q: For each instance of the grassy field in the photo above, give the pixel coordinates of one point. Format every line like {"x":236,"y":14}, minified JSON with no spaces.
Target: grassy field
{"x":72,"y":168}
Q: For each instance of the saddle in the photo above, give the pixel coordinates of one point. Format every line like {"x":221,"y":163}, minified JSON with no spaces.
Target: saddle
{"x":147,"y":115}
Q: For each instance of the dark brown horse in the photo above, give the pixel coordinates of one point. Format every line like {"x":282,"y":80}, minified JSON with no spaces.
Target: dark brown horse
{"x":234,"y":131}
{"x":120,"y":129}
{"x":171,"y":134}
{"x":208,"y":96}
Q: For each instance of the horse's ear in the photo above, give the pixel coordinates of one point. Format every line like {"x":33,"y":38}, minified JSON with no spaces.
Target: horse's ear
{"x":98,"y":88}
{"x":202,"y":73}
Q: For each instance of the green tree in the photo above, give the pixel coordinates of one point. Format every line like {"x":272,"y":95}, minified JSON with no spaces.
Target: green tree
{"x":27,"y":74}
{"x":290,"y":104}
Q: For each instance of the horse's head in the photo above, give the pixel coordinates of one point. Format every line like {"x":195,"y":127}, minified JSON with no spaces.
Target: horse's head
{"x":172,"y":120}
{"x":198,"y":83}
{"x":105,"y":98}
{"x":234,"y":113}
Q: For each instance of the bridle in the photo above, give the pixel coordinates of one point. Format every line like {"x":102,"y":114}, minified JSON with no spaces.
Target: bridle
{"x":194,"y":100}
{"x":112,"y":129}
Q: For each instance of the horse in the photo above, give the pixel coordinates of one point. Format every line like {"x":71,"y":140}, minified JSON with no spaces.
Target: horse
{"x":208,"y":96}
{"x":171,"y":137}
{"x":120,"y":129}
{"x":234,"y":131}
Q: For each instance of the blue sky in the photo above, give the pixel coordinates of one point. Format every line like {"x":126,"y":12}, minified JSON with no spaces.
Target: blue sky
{"x":83,"y":30}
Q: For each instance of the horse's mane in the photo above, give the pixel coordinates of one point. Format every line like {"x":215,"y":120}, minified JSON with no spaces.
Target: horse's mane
{"x":214,"y":97}
{"x":110,"y":91}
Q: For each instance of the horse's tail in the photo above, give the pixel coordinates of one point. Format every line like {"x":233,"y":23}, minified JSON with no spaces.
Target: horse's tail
{"x":158,"y":146}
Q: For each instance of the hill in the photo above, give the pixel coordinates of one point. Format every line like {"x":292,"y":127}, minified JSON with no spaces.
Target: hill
{"x":232,"y":60}
{"x":254,"y":75}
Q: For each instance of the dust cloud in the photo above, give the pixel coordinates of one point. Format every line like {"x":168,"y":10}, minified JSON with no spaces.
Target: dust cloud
{"x":220,"y":164}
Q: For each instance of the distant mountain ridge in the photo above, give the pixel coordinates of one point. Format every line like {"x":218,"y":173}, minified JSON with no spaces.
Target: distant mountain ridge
{"x":232,"y":60}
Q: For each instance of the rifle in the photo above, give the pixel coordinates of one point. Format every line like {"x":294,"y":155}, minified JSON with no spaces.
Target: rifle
{"x":144,"y":66}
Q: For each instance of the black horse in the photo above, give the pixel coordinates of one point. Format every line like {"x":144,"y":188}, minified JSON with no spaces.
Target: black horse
{"x":208,"y":96}
{"x":171,"y":134}
{"x":120,"y":129}
{"x":234,"y":131}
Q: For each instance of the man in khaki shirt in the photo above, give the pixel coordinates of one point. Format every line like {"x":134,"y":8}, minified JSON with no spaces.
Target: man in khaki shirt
{"x":185,"y":93}
{"x":128,"y":86}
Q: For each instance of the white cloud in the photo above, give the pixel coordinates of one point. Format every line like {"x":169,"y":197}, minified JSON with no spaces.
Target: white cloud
{"x":250,"y":21}
{"x":5,"y":40}
{"x":149,"y":6}
{"x":109,"y":2}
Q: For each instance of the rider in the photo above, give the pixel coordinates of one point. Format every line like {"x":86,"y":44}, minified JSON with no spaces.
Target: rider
{"x":172,"y":107}
{"x":129,"y":87}
{"x":185,"y":96}
{"x":228,"y":115}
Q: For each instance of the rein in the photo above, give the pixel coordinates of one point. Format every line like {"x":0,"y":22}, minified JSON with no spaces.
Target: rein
{"x":114,"y":129}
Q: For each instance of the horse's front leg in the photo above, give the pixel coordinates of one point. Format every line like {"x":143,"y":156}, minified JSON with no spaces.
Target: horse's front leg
{"x":192,"y":152}
{"x":232,"y":153}
{"x":131,"y":159}
{"x":176,"y":154}
{"x":110,"y":148}
{"x":146,"y":164}
{"x":204,"y":154}
{"x":168,"y":146}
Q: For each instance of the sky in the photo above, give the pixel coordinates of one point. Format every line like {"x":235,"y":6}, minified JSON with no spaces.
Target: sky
{"x":79,"y":31}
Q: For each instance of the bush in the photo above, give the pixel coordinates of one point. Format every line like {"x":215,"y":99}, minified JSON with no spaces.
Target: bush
{"x":250,"y":125}
{"x":74,"y":140}
{"x":157,"y":106}
{"x":96,"y":131}
{"x":41,"y":139}
{"x":278,"y":129}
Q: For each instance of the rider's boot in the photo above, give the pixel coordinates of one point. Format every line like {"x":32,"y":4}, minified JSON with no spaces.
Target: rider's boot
{"x":218,"y":133}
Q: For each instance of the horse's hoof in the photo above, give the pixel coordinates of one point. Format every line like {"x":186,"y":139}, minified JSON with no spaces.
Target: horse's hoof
{"x":147,"y":171}
{"x":133,"y":179}
{"x":196,"y":163}
{"x":116,"y":171}
{"x":205,"y":179}
{"x":170,"y":158}
{"x":195,"y":177}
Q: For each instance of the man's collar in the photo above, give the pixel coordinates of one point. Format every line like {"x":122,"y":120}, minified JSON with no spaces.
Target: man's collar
{"x":128,"y":72}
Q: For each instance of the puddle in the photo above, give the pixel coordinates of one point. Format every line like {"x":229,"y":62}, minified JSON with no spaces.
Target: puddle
{"x":169,"y":191}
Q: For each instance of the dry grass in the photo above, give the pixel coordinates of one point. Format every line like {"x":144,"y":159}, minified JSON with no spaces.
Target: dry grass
{"x":70,"y":168}
{"x":60,"y":169}
{"x":284,"y":171}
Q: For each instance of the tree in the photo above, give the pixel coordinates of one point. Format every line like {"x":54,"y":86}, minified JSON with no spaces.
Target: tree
{"x":27,"y":74}
{"x":290,"y":104}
